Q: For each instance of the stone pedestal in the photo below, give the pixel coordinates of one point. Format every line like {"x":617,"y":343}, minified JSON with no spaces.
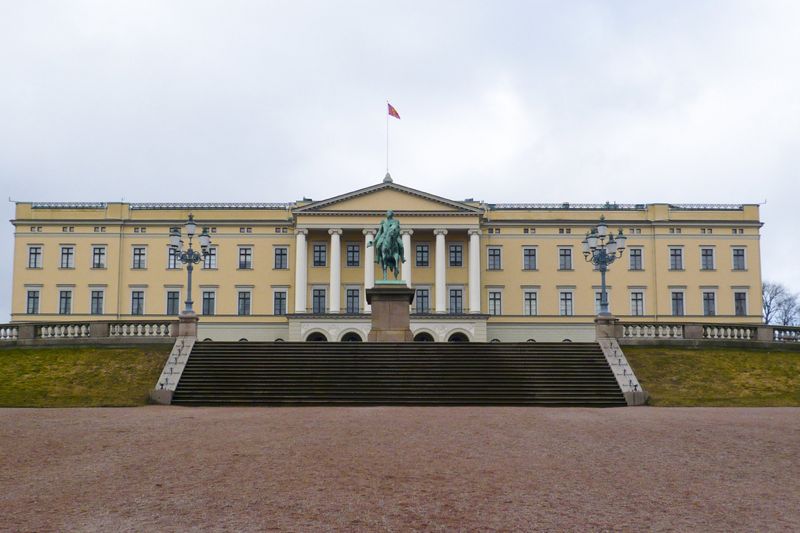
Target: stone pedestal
{"x":606,"y":327}
{"x":187,"y":326}
{"x":390,"y":320}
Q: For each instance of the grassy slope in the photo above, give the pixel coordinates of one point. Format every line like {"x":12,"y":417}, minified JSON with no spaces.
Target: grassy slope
{"x":79,"y":376}
{"x":731,"y":377}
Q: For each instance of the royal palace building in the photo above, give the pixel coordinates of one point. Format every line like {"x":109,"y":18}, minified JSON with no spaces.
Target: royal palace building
{"x":298,"y":271}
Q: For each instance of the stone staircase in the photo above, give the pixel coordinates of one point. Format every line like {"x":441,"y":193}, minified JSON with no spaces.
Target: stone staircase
{"x":342,"y":373}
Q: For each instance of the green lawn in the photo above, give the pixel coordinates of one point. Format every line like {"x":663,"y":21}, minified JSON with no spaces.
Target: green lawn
{"x":731,"y":377}
{"x":79,"y":376}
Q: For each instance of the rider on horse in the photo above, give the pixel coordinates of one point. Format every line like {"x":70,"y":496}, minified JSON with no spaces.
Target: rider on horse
{"x":389,"y":245}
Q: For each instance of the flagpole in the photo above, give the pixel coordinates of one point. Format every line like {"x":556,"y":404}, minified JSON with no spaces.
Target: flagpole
{"x":387,"y":136}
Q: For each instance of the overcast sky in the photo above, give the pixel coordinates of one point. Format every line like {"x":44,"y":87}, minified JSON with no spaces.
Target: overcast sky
{"x":673,"y":101}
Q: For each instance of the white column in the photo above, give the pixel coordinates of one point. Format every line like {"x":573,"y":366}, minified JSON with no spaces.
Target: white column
{"x":300,"y":271}
{"x":474,"y":271}
{"x":440,"y":278}
{"x":369,"y":265}
{"x":335,"y":287}
{"x":406,"y":270}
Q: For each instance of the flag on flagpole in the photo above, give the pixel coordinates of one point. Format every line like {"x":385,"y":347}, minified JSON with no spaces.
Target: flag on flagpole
{"x":392,"y":111}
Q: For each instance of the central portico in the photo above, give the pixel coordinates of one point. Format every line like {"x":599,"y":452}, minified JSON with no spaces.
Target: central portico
{"x":441,"y":243}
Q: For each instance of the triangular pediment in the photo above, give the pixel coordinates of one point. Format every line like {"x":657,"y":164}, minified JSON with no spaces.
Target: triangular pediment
{"x":385,"y":196}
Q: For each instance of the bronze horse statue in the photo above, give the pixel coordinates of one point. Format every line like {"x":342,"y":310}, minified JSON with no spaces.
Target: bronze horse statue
{"x":389,"y":245}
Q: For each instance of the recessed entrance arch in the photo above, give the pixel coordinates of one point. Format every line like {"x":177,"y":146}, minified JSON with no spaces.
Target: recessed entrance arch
{"x":316,"y":337}
{"x":458,"y":337}
{"x":352,"y":336}
{"x":423,"y":336}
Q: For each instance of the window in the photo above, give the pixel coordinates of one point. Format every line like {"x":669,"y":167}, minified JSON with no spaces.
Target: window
{"x":677,"y":304}
{"x":423,"y":300}
{"x":67,"y":257}
{"x":318,"y":301}
{"x":173,"y":258}
{"x":137,"y":302}
{"x":209,"y":302}
{"x":423,"y":255}
{"x":529,"y":259}
{"x":566,"y":303}
{"x":245,"y":258}
{"x":637,"y":303}
{"x":173,"y":302}
{"x":456,"y":255}
{"x":495,"y":303}
{"x":35,"y":257}
{"x":353,"y":255}
{"x":494,"y":262}
{"x":352,"y":301}
{"x":565,"y":258}
{"x":709,"y":303}
{"x":64,"y":302}
{"x":139,"y":257}
{"x":676,"y":258}
{"x":738,"y":259}
{"x":530,"y":303}
{"x":706,"y":259}
{"x":96,"y":304}
{"x":32,"y":305}
{"x":320,"y":255}
{"x":635,"y":258}
{"x":243,"y":305}
{"x":740,"y":303}
{"x":456,"y":301}
{"x":98,"y":257}
{"x":210,"y":260}
{"x":281,"y":258}
{"x":279,"y":303}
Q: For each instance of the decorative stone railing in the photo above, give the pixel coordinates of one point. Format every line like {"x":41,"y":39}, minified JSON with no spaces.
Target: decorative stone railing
{"x":786,"y":333}
{"x":652,"y":331}
{"x":730,"y":333}
{"x":141,"y":329}
{"x":8,"y":332}
{"x":106,"y":331}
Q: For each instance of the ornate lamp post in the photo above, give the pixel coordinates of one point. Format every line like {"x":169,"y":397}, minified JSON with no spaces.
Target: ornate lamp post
{"x":189,"y":256}
{"x":602,"y":248}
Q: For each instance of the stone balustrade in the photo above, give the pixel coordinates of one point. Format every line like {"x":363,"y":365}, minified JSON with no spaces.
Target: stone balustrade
{"x":786,"y":333}
{"x":652,"y":331}
{"x":731,"y":333}
{"x":90,"y":331}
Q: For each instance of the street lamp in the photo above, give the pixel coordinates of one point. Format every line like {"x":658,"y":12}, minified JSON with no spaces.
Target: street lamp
{"x":602,"y":248}
{"x":189,"y":256}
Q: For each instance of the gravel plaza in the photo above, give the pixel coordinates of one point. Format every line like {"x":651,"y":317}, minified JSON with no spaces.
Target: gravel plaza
{"x":398,"y":469}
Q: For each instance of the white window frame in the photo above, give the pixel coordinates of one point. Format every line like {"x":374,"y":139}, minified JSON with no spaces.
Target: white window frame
{"x":71,"y":264}
{"x":571,"y":259}
{"x":275,"y":249}
{"x":40,"y":263}
{"x":105,"y":256}
{"x":215,"y":257}
{"x":535,"y":292}
{"x":168,"y":290}
{"x":239,"y":248}
{"x":643,"y":292}
{"x":733,"y":259}
{"x":248,"y":290}
{"x":361,"y":299}
{"x":489,"y":292}
{"x":669,"y":258}
{"x":133,"y":257}
{"x":202,"y":295}
{"x":535,"y":258}
{"x":500,"y":249}
{"x":327,"y":252}
{"x":713,"y":258}
{"x":143,"y":290}
{"x":572,"y":301}
{"x":103,"y":307}
{"x":630,"y":257}
{"x":429,"y":288}
{"x":325,"y":288}
{"x":447,"y":295}
{"x":285,"y":290}
{"x":746,"y":293}
{"x":360,"y":256}
{"x":671,"y":309}
{"x":714,"y":291}
{"x":71,"y":292}
{"x":37,"y":289}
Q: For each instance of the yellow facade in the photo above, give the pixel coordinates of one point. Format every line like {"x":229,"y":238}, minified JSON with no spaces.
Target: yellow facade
{"x":654,"y":229}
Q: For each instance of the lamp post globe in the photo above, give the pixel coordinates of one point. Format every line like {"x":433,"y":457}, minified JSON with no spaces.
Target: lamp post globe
{"x":189,"y":256}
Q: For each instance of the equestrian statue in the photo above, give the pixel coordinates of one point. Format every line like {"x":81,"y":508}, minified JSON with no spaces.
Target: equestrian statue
{"x":389,"y":245}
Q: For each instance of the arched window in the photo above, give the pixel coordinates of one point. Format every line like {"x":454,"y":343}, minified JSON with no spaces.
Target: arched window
{"x":531,"y":340}
{"x":495,"y":340}
{"x":458,"y":337}
{"x":352,"y":336}
{"x":317,"y":337}
{"x":242,"y":340}
{"x":566,"y":340}
{"x":423,"y":336}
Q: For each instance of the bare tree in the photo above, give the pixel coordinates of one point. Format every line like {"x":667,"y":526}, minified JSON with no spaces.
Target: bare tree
{"x":788,"y":310}
{"x":771,"y":295}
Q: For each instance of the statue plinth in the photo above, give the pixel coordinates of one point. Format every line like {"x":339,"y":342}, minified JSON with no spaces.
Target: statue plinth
{"x":390,"y":320}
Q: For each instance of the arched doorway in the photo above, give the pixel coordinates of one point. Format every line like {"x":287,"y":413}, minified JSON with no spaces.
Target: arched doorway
{"x":352,"y":336}
{"x":458,"y":337}
{"x":317,"y":337}
{"x":423,"y":336}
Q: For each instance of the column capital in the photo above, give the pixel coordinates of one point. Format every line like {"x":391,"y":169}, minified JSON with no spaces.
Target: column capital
{"x":440,"y":231}
{"x":474,"y":232}
{"x":301,"y":231}
{"x":368,"y":231}
{"x":334,"y":231}
{"x":406,"y":232}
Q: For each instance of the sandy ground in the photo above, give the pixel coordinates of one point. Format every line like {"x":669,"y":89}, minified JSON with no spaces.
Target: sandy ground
{"x":397,"y":469}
